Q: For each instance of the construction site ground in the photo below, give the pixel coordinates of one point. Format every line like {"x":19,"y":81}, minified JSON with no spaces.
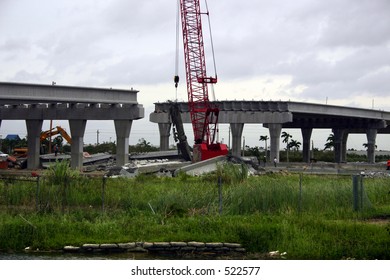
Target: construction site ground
{"x":376,"y":169}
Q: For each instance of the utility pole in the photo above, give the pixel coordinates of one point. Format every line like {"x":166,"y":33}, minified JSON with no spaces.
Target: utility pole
{"x":97,"y":137}
{"x":51,"y":129}
{"x":229,"y":139}
{"x":243,"y":146}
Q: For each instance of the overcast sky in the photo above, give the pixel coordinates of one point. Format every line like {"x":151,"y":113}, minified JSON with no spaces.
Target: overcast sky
{"x":334,"y":51}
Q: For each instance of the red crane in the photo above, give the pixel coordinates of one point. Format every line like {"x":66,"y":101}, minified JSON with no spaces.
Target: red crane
{"x":204,"y":116}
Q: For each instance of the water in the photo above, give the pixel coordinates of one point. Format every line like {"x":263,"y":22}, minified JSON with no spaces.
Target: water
{"x":78,"y":256}
{"x":109,"y":256}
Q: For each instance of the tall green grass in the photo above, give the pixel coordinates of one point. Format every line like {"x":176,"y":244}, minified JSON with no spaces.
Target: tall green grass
{"x":306,"y":237}
{"x":309,"y":216}
{"x":269,"y":194}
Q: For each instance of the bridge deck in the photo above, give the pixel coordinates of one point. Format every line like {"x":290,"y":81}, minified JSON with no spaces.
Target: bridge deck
{"x":22,"y":93}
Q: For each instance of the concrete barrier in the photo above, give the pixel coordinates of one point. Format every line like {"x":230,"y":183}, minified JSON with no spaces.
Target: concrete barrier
{"x":159,"y":247}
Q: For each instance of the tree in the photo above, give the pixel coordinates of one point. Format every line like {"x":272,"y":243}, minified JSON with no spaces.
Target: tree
{"x":365,"y":145}
{"x":329,"y":142}
{"x":143,"y":146}
{"x":7,"y":145}
{"x":142,"y":143}
{"x":286,"y":137}
{"x":294,"y":144}
{"x":252,"y":151}
{"x":265,"y":139}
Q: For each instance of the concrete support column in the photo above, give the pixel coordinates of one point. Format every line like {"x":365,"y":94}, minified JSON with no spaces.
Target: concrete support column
{"x":34,"y":129}
{"x":338,"y":144}
{"x":236,"y":129}
{"x":344,"y":147}
{"x":306,"y":136}
{"x":165,"y":129}
{"x":371,"y":139}
{"x":275,"y":130}
{"x":77,"y":129}
{"x":122,"y":128}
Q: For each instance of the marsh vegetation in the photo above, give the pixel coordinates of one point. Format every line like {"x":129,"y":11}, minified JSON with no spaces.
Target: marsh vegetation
{"x":307,"y":216}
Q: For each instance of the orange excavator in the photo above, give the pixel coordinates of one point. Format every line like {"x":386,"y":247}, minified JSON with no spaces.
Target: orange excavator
{"x":22,"y":152}
{"x":54,"y":131}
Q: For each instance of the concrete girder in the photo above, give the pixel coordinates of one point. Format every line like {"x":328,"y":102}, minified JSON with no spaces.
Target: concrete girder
{"x":231,"y":117}
{"x":353,"y":123}
{"x":306,"y":110}
{"x":328,"y":110}
{"x":22,"y":93}
{"x":72,"y":111}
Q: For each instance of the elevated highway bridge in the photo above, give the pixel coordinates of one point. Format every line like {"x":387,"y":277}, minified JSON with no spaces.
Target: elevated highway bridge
{"x":276,"y":115}
{"x":35,"y":103}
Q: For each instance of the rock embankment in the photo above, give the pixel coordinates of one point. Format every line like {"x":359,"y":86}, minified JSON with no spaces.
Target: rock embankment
{"x":158,"y":247}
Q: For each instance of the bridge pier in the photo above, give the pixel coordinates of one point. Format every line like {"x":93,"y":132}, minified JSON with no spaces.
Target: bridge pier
{"x":344,"y":147}
{"x":122,"y":128}
{"x":77,"y":129}
{"x":306,"y":136}
{"x":371,"y":139}
{"x":236,"y":129}
{"x":164,"y":129}
{"x":275,"y":130}
{"x":338,"y":144}
{"x":34,"y":128}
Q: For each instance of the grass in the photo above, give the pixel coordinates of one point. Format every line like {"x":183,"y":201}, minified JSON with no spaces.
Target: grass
{"x":309,"y":217}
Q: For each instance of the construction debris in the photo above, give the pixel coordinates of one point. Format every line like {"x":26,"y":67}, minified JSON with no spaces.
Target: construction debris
{"x":375,"y":174}
{"x":159,"y":167}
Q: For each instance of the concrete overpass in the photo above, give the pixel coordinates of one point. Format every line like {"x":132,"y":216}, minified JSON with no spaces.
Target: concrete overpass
{"x":276,"y":115}
{"x":35,"y":103}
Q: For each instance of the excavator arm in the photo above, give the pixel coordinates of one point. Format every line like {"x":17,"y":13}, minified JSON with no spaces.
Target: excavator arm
{"x":55,"y":131}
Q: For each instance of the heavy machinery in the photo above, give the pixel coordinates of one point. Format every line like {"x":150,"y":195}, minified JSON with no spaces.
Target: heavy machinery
{"x":54,"y":131}
{"x":22,"y":152}
{"x":204,"y":116}
{"x":178,"y":132}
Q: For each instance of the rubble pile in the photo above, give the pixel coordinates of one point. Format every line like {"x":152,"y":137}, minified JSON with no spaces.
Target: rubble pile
{"x":375,"y":174}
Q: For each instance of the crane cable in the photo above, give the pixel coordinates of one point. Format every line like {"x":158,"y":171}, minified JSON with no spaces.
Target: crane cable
{"x":216,"y":132}
{"x":212,"y":47}
{"x":211,"y":38}
{"x":176,"y":77}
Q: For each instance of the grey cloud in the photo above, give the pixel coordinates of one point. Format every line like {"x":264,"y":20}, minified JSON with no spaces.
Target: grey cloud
{"x":291,"y":39}
{"x":133,"y":42}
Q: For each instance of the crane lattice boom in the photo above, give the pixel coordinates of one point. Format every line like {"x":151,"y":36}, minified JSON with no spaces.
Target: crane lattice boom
{"x":204,"y":117}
